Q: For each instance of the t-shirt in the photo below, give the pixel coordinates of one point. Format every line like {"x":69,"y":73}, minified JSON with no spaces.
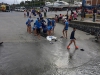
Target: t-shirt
{"x":40,"y":15}
{"x":28,"y":21}
{"x":66,"y":25}
{"x":43,"y":23}
{"x":53,"y":22}
{"x":49,"y":27}
{"x":72,"y":35}
{"x":38,"y":25}
{"x":36,"y":21}
{"x":48,"y":21}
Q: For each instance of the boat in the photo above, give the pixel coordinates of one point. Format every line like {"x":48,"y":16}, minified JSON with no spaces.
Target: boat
{"x":57,"y":4}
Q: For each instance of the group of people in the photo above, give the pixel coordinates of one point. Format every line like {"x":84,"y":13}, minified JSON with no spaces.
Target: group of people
{"x":40,"y":25}
{"x":47,"y":27}
{"x":72,"y":16}
{"x":29,"y":13}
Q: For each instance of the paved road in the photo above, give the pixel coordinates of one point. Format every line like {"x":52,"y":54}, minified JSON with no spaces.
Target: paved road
{"x":24,"y":54}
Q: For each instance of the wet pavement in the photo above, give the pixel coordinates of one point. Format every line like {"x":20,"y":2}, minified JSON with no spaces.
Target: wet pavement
{"x":24,"y":54}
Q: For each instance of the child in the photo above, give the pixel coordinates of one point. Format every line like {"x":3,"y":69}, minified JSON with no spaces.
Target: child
{"x":28,"y":23}
{"x":34,"y":29}
{"x":30,"y":13}
{"x":75,"y":16}
{"x":53,"y":25}
{"x":24,"y":13}
{"x":27,"y":13}
{"x":49,"y":28}
{"x":72,"y":37}
{"x":38,"y":28}
{"x":65,"y":29}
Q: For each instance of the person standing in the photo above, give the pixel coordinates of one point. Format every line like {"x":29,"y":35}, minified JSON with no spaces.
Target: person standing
{"x":49,"y":29}
{"x":38,"y":28}
{"x":72,"y":39}
{"x":67,"y":11}
{"x":53,"y":25}
{"x":27,"y":13}
{"x":65,"y":29}
{"x":94,"y":14}
{"x":28,"y":23}
{"x":82,"y":14}
{"x":24,"y":13}
{"x":45,"y":13}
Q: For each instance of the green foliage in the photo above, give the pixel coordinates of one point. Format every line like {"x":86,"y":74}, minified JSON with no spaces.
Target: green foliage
{"x":22,"y":3}
{"x":33,"y":3}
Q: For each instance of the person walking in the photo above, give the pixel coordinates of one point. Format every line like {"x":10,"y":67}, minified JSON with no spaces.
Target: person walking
{"x":72,"y":39}
{"x":65,"y":29}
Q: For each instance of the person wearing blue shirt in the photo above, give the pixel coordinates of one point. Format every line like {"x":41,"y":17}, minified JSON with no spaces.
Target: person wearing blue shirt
{"x":49,"y":29}
{"x":28,"y":23}
{"x":53,"y":25}
{"x":65,"y":29}
{"x":43,"y":23}
{"x":40,"y":15}
{"x":48,"y":21}
{"x":38,"y":28}
{"x":72,"y":37}
{"x":34,"y":28}
{"x":33,"y":11}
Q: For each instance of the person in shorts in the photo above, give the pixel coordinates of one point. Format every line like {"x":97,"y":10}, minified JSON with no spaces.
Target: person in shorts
{"x":53,"y":25}
{"x":72,"y":39}
{"x":24,"y":13}
{"x":34,"y":29}
{"x":28,"y":23}
{"x":38,"y":28}
{"x":65,"y":29}
{"x":49,"y":29}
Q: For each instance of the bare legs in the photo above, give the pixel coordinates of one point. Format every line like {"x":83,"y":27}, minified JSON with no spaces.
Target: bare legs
{"x":71,"y":41}
{"x":65,"y":33}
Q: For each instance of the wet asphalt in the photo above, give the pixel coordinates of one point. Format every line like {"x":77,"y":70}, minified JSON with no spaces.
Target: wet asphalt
{"x":24,"y":54}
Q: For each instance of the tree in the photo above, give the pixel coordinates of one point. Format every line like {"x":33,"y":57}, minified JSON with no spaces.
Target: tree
{"x":22,"y":3}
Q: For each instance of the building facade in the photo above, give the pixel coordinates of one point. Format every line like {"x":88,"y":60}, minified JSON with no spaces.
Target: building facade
{"x":93,"y":2}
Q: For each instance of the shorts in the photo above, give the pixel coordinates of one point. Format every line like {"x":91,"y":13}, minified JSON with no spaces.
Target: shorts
{"x":38,"y":30}
{"x":28,"y":24}
{"x":72,"y":39}
{"x":65,"y":29}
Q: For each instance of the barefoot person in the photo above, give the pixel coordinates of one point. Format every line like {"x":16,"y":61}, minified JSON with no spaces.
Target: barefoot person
{"x":72,"y":37}
{"x":53,"y":25}
{"x":65,"y":29}
{"x":38,"y":28}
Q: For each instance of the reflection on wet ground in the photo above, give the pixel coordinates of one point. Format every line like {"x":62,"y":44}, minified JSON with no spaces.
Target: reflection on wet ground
{"x":41,"y":58}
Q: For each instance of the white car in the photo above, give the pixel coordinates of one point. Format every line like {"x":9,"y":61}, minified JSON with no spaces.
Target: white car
{"x":22,"y":9}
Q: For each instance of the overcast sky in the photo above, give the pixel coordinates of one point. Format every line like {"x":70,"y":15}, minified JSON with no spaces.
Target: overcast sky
{"x":12,"y":1}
